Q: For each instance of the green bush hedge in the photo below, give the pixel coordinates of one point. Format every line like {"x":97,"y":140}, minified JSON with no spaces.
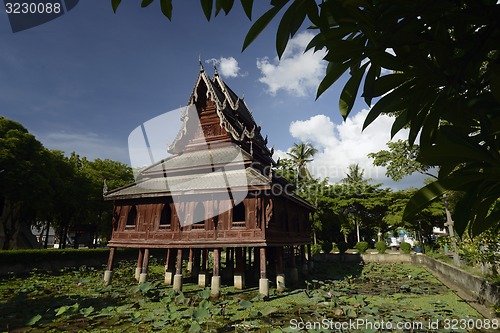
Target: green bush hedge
{"x":405,"y":247}
{"x":361,"y":247}
{"x":381,"y":247}
{"x":32,"y":256}
{"x":327,"y":247}
{"x":342,"y":246}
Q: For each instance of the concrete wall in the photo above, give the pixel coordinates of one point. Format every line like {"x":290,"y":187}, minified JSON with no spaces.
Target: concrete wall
{"x":49,"y":266}
{"x":367,"y":257}
{"x":24,"y":264}
{"x":388,"y":258}
{"x":483,"y":290}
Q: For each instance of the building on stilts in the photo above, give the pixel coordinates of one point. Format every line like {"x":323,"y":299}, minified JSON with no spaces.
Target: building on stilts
{"x":215,"y":192}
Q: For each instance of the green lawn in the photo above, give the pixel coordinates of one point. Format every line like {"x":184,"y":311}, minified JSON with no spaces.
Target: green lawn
{"x":336,"y":294}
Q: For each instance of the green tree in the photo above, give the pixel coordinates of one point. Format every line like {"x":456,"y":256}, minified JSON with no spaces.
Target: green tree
{"x":301,"y":154}
{"x":353,"y":203}
{"x":69,"y":196}
{"x":313,"y":190}
{"x":80,"y":205}
{"x":24,"y":180}
{"x":401,"y":161}
{"x":443,"y":81}
{"x":102,"y":174}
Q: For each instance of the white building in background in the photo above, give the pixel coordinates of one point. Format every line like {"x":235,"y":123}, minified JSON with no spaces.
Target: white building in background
{"x":40,"y":235}
{"x":437,"y":231}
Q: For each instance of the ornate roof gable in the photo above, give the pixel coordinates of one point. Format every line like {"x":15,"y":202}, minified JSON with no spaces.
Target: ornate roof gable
{"x":232,"y":111}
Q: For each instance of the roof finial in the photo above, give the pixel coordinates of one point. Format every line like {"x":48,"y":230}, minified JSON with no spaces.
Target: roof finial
{"x":201,"y":64}
{"x":216,"y":73}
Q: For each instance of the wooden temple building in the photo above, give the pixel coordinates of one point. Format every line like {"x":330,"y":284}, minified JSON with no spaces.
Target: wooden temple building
{"x":180,"y":203}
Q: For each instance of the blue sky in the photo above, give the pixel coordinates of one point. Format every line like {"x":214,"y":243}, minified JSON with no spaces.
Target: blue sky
{"x":84,"y":81}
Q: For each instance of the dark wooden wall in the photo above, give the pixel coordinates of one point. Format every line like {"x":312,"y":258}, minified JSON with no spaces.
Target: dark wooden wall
{"x":267,"y":220}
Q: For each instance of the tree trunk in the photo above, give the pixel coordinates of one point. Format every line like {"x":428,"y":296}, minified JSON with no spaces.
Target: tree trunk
{"x":61,"y":232}
{"x":46,"y":241}
{"x":63,"y":236}
{"x":451,"y":230}
{"x":357,"y":231}
{"x":10,"y":221}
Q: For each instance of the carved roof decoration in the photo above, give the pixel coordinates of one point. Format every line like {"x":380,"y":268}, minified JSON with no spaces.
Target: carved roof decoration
{"x":234,"y":116}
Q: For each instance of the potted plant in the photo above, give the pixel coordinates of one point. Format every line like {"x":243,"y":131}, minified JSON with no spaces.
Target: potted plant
{"x":417,"y":247}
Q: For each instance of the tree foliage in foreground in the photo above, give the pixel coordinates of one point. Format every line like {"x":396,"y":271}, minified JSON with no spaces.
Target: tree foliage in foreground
{"x":434,"y":65}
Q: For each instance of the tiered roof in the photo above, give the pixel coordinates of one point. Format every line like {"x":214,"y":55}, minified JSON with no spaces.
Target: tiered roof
{"x":244,"y":160}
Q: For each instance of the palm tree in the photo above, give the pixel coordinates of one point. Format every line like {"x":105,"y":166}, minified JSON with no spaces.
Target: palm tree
{"x":355,"y":176}
{"x":300,"y":155}
{"x":357,"y":183}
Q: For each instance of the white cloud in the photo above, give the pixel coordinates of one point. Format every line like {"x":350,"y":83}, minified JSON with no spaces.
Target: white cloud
{"x":228,"y":67}
{"x":297,"y":72}
{"x":343,"y":144}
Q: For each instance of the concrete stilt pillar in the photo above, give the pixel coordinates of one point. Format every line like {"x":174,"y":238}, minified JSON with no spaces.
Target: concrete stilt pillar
{"x":145,"y":262}
{"x":178,"y":272}
{"x":263,"y":281}
{"x":169,"y":277}
{"x":170,"y":267}
{"x":264,"y":287}
{"x":239,"y":274}
{"x":108,"y":274}
{"x":137,"y":273}
{"x":280,"y":282}
{"x":215,"y":286}
{"x":280,"y":270}
{"x":203,"y":276}
{"x":310,"y":261}
{"x":216,"y":278}
{"x":138,"y":269}
{"x":303,"y":262}
{"x":177,"y":285}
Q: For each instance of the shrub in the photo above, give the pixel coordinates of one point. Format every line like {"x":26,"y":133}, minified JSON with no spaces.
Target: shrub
{"x":327,"y":247}
{"x":342,"y":246}
{"x":381,"y":246}
{"x":362,"y":247}
{"x":405,"y":247}
{"x":315,"y":249}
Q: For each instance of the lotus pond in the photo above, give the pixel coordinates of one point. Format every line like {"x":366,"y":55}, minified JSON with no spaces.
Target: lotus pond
{"x":336,"y":297}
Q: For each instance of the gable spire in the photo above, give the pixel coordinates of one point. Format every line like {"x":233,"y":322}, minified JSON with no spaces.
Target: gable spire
{"x":201,"y":64}
{"x":216,"y":73}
